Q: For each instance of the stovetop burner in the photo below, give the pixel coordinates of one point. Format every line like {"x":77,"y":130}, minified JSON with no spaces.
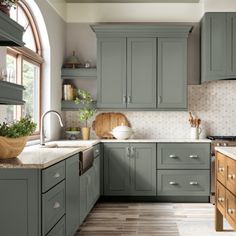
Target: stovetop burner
{"x":227,"y":138}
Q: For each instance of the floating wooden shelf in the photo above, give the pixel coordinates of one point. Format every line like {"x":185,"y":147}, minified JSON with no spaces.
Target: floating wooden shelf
{"x":71,"y":106}
{"x":78,"y":73}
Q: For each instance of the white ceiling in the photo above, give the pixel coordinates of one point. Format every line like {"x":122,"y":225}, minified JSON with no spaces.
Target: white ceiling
{"x":132,"y":1}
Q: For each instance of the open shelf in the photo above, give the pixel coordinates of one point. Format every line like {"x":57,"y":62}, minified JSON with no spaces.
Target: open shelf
{"x":71,"y":106}
{"x":79,"y":73}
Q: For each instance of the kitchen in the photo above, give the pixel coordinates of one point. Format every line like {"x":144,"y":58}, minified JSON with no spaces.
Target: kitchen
{"x":157,"y":182}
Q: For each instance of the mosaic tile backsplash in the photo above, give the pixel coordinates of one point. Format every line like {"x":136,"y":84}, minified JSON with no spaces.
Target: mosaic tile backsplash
{"x":213,"y":102}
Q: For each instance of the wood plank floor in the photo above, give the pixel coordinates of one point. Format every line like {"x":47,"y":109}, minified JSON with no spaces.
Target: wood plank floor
{"x":146,"y":219}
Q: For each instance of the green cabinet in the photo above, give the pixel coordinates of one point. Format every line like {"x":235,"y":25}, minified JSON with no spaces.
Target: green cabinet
{"x":72,"y":195}
{"x":172,"y":73}
{"x":218,"y":46}
{"x":129,"y":169}
{"x":111,"y":69}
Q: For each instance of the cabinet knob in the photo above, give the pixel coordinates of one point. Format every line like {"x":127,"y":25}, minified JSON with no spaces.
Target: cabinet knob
{"x":231,"y":176}
{"x":159,"y":99}
{"x":193,"y":156}
{"x":221,"y":199}
{"x":132,"y":151}
{"x":56,"y":205}
{"x":129,"y":99}
{"x":230,"y":211}
{"x":172,"y":183}
{"x":193,"y":183}
{"x":128,"y":151}
{"x":97,"y":151}
{"x":57,"y":175}
{"x":124,"y":99}
{"x":172,"y":156}
{"x":221,"y":169}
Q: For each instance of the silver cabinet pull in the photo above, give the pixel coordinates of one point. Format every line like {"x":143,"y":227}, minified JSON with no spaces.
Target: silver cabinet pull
{"x":231,"y":176}
{"x":57,"y":175}
{"x":221,"y":169}
{"x":128,"y":151}
{"x":221,"y":199}
{"x":230,"y":211}
{"x":193,"y":156}
{"x":172,"y":156}
{"x":132,"y":151}
{"x":56,"y":205}
{"x":129,"y":99}
{"x":172,"y":183}
{"x":124,"y":99}
{"x":193,"y":183}
{"x":159,"y":99}
{"x":97,"y":151}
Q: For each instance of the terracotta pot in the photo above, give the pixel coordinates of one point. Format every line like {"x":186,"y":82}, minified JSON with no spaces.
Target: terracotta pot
{"x":11,"y":147}
{"x":85,"y":133}
{"x":5,"y":9}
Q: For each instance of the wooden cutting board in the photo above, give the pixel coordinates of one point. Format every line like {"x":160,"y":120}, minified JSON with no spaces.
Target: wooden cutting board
{"x":105,"y":122}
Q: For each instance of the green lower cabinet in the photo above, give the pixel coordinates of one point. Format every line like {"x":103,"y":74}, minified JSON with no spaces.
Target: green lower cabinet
{"x":97,"y":190}
{"x":129,"y":169}
{"x":72,"y":195}
{"x":20,"y":202}
{"x":59,"y":229}
{"x":83,"y":197}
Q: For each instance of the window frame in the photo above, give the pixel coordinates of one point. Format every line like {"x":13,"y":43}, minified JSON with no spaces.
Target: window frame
{"x":24,"y":53}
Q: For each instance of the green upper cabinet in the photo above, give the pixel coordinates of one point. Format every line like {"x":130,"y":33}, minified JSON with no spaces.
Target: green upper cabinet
{"x":133,"y":71}
{"x":218,"y":46}
{"x":172,"y":73}
{"x":141,"y":73}
{"x":111,"y":68}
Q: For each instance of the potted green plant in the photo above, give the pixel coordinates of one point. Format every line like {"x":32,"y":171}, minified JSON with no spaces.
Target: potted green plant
{"x":6,"y":5}
{"x":85,"y":98}
{"x":13,"y":137}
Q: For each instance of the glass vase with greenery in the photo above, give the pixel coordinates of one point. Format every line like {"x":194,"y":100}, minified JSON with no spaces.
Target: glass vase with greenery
{"x":85,"y":99}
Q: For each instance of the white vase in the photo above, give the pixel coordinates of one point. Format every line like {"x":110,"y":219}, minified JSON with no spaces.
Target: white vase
{"x":195,"y":132}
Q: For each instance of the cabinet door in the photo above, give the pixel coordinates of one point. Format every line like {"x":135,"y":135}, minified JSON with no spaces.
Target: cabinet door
{"x":116,"y":169}
{"x":143,"y":166}
{"x":172,"y":73}
{"x":72,"y":195}
{"x":141,"y":73}
{"x":83,"y":196}
{"x":213,"y":46}
{"x":97,"y":179}
{"x":90,"y":188}
{"x":231,"y":45}
{"x":111,"y":65}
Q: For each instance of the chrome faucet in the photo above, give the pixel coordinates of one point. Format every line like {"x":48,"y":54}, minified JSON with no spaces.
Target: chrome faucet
{"x":42,"y":135}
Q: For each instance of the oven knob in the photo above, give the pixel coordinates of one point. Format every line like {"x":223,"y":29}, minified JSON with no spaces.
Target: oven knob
{"x":225,"y":144}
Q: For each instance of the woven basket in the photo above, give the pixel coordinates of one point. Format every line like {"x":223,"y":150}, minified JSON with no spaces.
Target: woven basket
{"x":11,"y":147}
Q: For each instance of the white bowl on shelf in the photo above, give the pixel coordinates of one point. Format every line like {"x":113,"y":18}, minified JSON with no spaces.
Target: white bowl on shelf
{"x":122,"y":132}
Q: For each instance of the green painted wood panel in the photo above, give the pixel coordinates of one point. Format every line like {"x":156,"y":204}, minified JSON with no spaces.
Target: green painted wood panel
{"x":72,"y":195}
{"x":83,"y":196}
{"x":231,"y":45}
{"x":53,"y":206}
{"x":116,"y":169}
{"x":96,"y":181}
{"x":111,"y":67}
{"x":143,"y":167}
{"x":183,"y":183}
{"x":213,"y":46}
{"x":90,"y":188}
{"x":20,"y":202}
{"x":141,"y":72}
{"x":183,"y":155}
{"x":59,"y":229}
{"x":172,"y":73}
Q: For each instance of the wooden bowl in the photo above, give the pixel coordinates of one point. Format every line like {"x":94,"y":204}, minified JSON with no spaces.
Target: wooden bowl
{"x":11,"y":147}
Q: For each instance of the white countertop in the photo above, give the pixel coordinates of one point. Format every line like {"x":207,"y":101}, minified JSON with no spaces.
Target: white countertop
{"x":228,"y":151}
{"x":37,"y":157}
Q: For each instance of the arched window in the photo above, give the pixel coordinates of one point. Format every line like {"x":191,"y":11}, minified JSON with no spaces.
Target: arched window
{"x":24,"y":65}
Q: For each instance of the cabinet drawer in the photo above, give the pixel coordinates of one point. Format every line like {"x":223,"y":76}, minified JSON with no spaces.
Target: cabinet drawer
{"x":183,"y":182}
{"x":231,"y":175}
{"x":230,"y":212}
{"x":183,"y":156}
{"x":96,"y":150}
{"x":59,"y":229}
{"x":220,"y":197}
{"x":53,"y":175}
{"x":53,"y":206}
{"x":221,"y":167}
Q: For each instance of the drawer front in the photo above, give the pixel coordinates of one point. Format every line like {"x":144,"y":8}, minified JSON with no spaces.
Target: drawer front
{"x":183,"y":156}
{"x":220,"y":197}
{"x":53,"y":175}
{"x":96,"y":150}
{"x":59,"y":229}
{"x":230,"y":213}
{"x":231,"y":175}
{"x":183,"y":182}
{"x":221,"y":167}
{"x":53,"y":206}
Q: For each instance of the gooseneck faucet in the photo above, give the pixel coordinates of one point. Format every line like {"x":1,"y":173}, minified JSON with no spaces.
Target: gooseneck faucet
{"x":42,"y":135}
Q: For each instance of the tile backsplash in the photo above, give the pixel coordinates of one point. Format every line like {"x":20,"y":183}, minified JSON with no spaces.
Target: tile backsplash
{"x":213,"y":102}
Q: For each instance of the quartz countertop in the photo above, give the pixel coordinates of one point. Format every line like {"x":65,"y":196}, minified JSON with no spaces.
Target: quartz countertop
{"x":37,"y":157}
{"x":228,"y":151}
